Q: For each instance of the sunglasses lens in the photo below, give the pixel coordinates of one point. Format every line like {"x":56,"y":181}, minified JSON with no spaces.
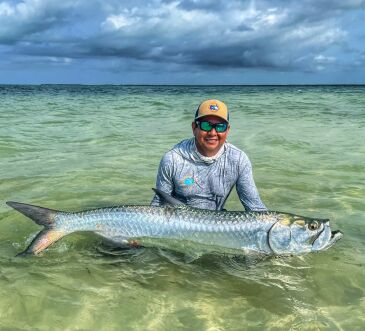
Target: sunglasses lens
{"x":221,"y":127}
{"x":207,"y":126}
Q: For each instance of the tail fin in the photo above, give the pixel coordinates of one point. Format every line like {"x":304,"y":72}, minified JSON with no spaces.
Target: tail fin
{"x":44,"y":217}
{"x":40,"y":215}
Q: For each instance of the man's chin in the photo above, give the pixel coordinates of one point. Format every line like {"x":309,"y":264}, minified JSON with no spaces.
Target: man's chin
{"x":211,"y":149}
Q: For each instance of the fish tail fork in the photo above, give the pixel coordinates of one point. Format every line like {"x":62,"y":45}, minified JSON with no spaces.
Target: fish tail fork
{"x":41,"y":216}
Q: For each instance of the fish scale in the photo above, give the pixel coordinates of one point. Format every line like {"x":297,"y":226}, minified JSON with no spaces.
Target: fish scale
{"x":182,"y":228}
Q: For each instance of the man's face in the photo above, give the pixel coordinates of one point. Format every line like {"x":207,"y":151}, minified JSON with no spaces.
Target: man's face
{"x":209,"y":142}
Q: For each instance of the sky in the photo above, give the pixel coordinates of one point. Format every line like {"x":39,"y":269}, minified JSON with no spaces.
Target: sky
{"x":182,"y":42}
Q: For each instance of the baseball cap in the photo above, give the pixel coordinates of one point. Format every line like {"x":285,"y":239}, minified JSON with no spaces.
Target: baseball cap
{"x":212,"y":107}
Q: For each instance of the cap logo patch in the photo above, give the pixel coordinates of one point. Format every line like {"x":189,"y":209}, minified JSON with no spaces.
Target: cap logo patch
{"x":214,"y":107}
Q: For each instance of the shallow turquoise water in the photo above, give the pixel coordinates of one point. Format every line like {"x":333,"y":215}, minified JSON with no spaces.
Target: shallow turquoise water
{"x":77,"y":147}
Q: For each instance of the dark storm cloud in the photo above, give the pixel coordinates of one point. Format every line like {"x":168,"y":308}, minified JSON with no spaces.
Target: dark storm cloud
{"x":20,"y":20}
{"x":276,"y":35}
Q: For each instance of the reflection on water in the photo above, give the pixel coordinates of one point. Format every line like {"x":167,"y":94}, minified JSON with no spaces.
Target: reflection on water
{"x":79,"y":147}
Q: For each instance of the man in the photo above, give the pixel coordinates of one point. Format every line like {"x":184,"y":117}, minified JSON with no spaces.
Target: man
{"x":202,"y":171}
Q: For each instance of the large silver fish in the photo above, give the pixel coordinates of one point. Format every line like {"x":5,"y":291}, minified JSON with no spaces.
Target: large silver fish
{"x":185,"y":229}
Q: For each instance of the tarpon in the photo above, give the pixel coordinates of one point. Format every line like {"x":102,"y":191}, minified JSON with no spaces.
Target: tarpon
{"x":181,"y":228}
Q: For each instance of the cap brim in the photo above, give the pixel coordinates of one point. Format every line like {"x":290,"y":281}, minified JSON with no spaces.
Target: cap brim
{"x":202,"y":116}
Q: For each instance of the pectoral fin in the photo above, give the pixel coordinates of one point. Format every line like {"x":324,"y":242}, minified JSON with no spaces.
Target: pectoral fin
{"x":168,"y":198}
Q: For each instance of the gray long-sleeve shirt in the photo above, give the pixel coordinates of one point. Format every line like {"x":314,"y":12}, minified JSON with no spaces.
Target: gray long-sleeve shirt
{"x":206,"y":183}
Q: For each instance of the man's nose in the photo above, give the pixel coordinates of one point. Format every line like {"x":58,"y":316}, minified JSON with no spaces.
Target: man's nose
{"x":212,"y":132}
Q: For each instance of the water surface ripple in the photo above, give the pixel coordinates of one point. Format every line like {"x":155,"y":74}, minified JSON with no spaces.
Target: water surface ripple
{"x":76,"y":147}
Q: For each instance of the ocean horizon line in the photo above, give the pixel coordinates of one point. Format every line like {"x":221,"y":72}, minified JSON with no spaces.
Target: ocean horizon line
{"x":198,"y":85}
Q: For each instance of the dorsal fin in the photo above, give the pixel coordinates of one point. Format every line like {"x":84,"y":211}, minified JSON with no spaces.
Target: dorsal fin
{"x":167,"y":197}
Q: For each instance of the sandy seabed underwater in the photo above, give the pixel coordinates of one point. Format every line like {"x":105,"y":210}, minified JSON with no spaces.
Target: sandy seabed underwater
{"x":78,"y":147}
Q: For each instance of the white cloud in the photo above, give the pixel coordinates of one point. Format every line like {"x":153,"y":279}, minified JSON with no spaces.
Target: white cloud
{"x":321,"y":59}
{"x":6,"y":9}
{"x":116,"y":22}
{"x":61,"y":60}
{"x":320,"y":35}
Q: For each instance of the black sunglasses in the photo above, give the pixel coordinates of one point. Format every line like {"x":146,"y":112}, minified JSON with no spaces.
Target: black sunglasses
{"x":207,"y":126}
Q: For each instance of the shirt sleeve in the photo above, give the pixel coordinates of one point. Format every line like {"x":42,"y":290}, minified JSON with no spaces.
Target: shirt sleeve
{"x":246,"y":188}
{"x":164,"y":181}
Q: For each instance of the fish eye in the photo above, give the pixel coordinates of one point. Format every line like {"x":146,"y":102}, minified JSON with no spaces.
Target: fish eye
{"x":313,"y":225}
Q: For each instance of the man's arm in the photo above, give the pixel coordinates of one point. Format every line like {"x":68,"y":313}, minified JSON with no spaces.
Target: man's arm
{"x":164,"y":180}
{"x":246,"y":188}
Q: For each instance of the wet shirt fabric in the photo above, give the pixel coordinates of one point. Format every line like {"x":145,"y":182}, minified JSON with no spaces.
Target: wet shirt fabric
{"x":206,"y":182}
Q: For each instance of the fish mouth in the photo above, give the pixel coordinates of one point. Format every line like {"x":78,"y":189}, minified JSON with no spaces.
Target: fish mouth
{"x":336,"y":235}
{"x":326,"y":239}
